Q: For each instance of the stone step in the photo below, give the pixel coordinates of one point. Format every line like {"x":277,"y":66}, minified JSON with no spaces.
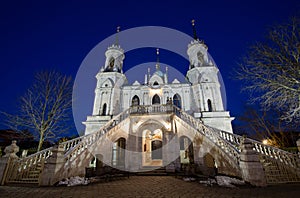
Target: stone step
{"x":152,"y":171}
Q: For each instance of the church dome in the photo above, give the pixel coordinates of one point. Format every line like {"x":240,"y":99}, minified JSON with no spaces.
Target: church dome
{"x":159,"y":73}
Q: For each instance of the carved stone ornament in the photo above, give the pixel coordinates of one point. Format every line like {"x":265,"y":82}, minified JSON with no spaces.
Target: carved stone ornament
{"x":11,"y":150}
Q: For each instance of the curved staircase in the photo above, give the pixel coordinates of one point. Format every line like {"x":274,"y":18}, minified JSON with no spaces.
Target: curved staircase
{"x":280,"y":166}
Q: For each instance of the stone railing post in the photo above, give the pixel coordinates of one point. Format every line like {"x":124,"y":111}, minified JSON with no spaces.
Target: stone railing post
{"x":51,"y":167}
{"x":251,"y":167}
{"x":10,"y":155}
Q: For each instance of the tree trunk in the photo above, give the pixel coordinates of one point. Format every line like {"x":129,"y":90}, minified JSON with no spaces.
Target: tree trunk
{"x":41,"y":141}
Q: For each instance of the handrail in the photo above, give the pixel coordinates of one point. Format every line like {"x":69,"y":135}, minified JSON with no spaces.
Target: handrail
{"x":76,"y":147}
{"x":262,"y":149}
{"x":235,"y":141}
{"x":229,"y":142}
{"x":210,"y":133}
{"x":71,"y":144}
{"x":151,"y":109}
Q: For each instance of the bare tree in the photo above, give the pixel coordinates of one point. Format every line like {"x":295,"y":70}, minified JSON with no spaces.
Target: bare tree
{"x":266,"y":125}
{"x":46,"y":106}
{"x":271,"y":70}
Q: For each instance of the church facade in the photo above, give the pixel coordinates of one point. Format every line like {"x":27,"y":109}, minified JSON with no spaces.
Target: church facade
{"x":151,"y":127}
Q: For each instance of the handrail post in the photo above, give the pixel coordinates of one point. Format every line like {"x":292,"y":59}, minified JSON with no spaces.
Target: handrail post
{"x":251,"y":167}
{"x":51,"y":166}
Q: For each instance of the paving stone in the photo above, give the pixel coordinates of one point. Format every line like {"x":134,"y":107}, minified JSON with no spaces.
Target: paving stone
{"x":151,"y":186}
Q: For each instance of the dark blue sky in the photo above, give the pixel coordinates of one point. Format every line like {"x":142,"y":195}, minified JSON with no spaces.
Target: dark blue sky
{"x":38,"y":35}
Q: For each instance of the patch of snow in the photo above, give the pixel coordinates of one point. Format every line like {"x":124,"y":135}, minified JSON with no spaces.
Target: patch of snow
{"x":208,"y":182}
{"x":228,"y":181}
{"x":189,"y":179}
{"x":74,"y":181}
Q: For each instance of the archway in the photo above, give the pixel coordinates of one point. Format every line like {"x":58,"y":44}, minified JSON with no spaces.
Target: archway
{"x":177,"y":100}
{"x":186,"y":150}
{"x":118,"y":153}
{"x":155,"y":99}
{"x":210,"y":164}
{"x":152,"y":147}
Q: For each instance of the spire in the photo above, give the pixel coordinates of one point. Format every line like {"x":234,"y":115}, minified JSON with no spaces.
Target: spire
{"x":194,"y":29}
{"x":148,"y":75}
{"x":157,"y":60}
{"x":117,"y":35}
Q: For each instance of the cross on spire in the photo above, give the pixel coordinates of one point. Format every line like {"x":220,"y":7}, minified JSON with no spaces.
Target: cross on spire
{"x":117,"y":35}
{"x":157,"y":60}
{"x":194,"y":29}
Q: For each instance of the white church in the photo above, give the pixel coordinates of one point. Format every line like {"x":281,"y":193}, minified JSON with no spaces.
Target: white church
{"x":174,"y":126}
{"x":151,"y":125}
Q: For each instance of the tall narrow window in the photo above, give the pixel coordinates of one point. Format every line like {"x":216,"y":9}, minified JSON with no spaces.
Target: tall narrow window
{"x":209,"y":105}
{"x":104,"y":109}
{"x":155,"y":99}
{"x":111,"y":62}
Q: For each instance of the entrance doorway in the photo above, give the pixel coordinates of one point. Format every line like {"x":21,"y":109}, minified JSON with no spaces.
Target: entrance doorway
{"x":152,"y":147}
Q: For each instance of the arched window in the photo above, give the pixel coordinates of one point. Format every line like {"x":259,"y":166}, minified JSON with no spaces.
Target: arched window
{"x":118,"y":152}
{"x":155,"y":83}
{"x":104,"y":109}
{"x":177,"y":100}
{"x":209,"y":105}
{"x":135,"y":101}
{"x":155,"y":99}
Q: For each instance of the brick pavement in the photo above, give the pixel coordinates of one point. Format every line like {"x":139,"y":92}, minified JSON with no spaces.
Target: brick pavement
{"x":150,"y":186}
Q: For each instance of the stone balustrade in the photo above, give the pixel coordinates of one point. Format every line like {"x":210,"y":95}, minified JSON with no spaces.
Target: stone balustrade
{"x":229,"y":144}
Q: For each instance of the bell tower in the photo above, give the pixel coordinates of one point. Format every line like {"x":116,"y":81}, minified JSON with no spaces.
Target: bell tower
{"x":110,"y":80}
{"x":203,"y":75}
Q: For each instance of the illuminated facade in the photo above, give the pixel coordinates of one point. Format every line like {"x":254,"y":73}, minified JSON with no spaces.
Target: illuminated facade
{"x":151,"y":124}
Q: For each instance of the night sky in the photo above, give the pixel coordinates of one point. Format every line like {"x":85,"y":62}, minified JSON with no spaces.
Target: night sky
{"x":46,"y":35}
